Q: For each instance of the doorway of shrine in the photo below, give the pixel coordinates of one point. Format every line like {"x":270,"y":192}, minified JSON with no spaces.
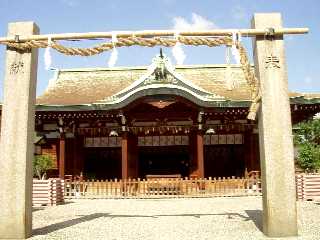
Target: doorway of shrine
{"x":102,"y":163}
{"x":163,"y":160}
{"x":224,"y":160}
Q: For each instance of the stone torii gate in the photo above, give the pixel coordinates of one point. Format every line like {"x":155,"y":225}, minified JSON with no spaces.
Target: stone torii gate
{"x":275,"y":132}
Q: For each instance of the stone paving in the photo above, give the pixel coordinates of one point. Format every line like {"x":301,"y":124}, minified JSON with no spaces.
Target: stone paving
{"x":189,"y":218}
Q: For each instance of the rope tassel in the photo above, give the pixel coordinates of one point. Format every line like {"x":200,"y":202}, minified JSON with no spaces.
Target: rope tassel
{"x":236,"y":37}
{"x":114,"y":54}
{"x":47,"y":55}
{"x":228,"y":75}
{"x":178,"y":52}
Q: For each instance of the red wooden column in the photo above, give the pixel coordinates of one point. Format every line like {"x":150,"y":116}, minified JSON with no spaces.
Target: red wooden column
{"x":132,"y":156}
{"x":124,"y":156}
{"x":200,"y":157}
{"x":62,"y":154}
{"x":75,"y":168}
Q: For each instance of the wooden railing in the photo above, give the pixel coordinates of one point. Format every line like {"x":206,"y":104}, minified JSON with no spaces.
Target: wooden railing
{"x":308,"y":186}
{"x":163,"y":187}
{"x":47,"y":192}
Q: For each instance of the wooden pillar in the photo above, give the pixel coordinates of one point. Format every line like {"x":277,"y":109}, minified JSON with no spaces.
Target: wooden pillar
{"x":75,"y":170}
{"x":124,"y":156}
{"x":17,"y":133}
{"x":200,"y":156}
{"x":62,"y":156}
{"x":81,"y":154}
{"x":249,"y":151}
{"x":275,"y":132}
{"x":255,"y":149}
{"x":132,"y":156}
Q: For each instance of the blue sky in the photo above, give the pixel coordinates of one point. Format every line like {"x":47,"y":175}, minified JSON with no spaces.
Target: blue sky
{"x":61,"y":16}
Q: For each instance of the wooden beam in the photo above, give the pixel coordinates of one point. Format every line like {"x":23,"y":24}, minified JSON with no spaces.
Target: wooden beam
{"x":154,"y":33}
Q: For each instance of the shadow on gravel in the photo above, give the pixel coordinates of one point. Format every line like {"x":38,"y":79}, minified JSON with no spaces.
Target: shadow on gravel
{"x":229,"y":215}
{"x":69,"y":223}
{"x":34,"y":209}
{"x":256,"y":217}
{"x":253,"y":215}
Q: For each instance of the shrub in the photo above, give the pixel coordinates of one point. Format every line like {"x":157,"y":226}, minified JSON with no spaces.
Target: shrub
{"x":41,"y":164}
{"x":309,"y":157}
{"x":307,"y":139}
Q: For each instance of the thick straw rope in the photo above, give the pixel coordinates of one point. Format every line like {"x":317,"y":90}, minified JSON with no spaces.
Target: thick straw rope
{"x":159,"y":41}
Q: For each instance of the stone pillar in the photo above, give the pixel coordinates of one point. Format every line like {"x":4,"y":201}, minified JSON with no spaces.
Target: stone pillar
{"x":124,"y":156}
{"x":275,"y":132}
{"x":200,"y":157}
{"x":62,"y":155}
{"x":17,"y":133}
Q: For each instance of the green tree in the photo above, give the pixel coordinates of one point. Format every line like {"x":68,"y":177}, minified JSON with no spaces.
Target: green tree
{"x":307,"y":140}
{"x":41,"y":164}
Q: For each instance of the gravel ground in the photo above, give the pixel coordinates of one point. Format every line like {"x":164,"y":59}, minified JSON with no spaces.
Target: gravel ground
{"x":193,"y":218}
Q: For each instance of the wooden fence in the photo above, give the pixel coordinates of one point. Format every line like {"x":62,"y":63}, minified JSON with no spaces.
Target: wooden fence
{"x":166,"y":187}
{"x":47,"y":192}
{"x":308,"y":186}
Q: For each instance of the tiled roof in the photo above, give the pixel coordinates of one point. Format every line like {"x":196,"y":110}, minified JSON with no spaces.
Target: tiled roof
{"x":87,"y":86}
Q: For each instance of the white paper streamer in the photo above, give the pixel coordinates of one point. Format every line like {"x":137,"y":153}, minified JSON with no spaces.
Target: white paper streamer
{"x":47,"y":55}
{"x":228,"y":75}
{"x":178,"y":52}
{"x":236,"y":36}
{"x":114,"y":54}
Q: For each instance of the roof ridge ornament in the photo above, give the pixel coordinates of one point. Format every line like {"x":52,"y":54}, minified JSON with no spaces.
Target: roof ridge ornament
{"x":162,"y":70}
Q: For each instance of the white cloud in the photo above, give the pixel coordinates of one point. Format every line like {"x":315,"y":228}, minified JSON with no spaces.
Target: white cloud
{"x":239,"y":13}
{"x":69,"y":3}
{"x":197,"y":23}
{"x":308,"y":80}
{"x":181,"y":24}
{"x":168,"y":2}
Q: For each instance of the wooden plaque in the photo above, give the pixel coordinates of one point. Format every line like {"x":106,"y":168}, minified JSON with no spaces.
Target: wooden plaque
{"x":185,"y":140}
{"x":104,"y":142}
{"x":148,"y":141}
{"x":88,"y":142}
{"x":230,"y":139}
{"x":170,"y":140}
{"x":141,"y":141}
{"x":155,"y":141}
{"x":238,"y":139}
{"x":96,"y":142}
{"x":118,"y":143}
{"x":112,"y":141}
{"x":177,"y":140}
{"x":214,"y":139}
{"x":206,"y":139}
{"x":222,"y":139}
{"x":163,"y":140}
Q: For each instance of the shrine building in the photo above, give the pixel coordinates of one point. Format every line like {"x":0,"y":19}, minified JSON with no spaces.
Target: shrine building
{"x":130,"y":122}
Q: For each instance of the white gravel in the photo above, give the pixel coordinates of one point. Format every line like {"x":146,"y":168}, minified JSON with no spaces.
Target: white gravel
{"x":193,"y":218}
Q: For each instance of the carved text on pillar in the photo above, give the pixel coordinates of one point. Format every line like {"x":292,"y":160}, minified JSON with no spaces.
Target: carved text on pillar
{"x":16,"y":67}
{"x":272,"y":61}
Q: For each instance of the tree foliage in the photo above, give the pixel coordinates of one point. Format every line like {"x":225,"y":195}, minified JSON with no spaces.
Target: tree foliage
{"x":307,"y":139}
{"x":41,"y":164}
